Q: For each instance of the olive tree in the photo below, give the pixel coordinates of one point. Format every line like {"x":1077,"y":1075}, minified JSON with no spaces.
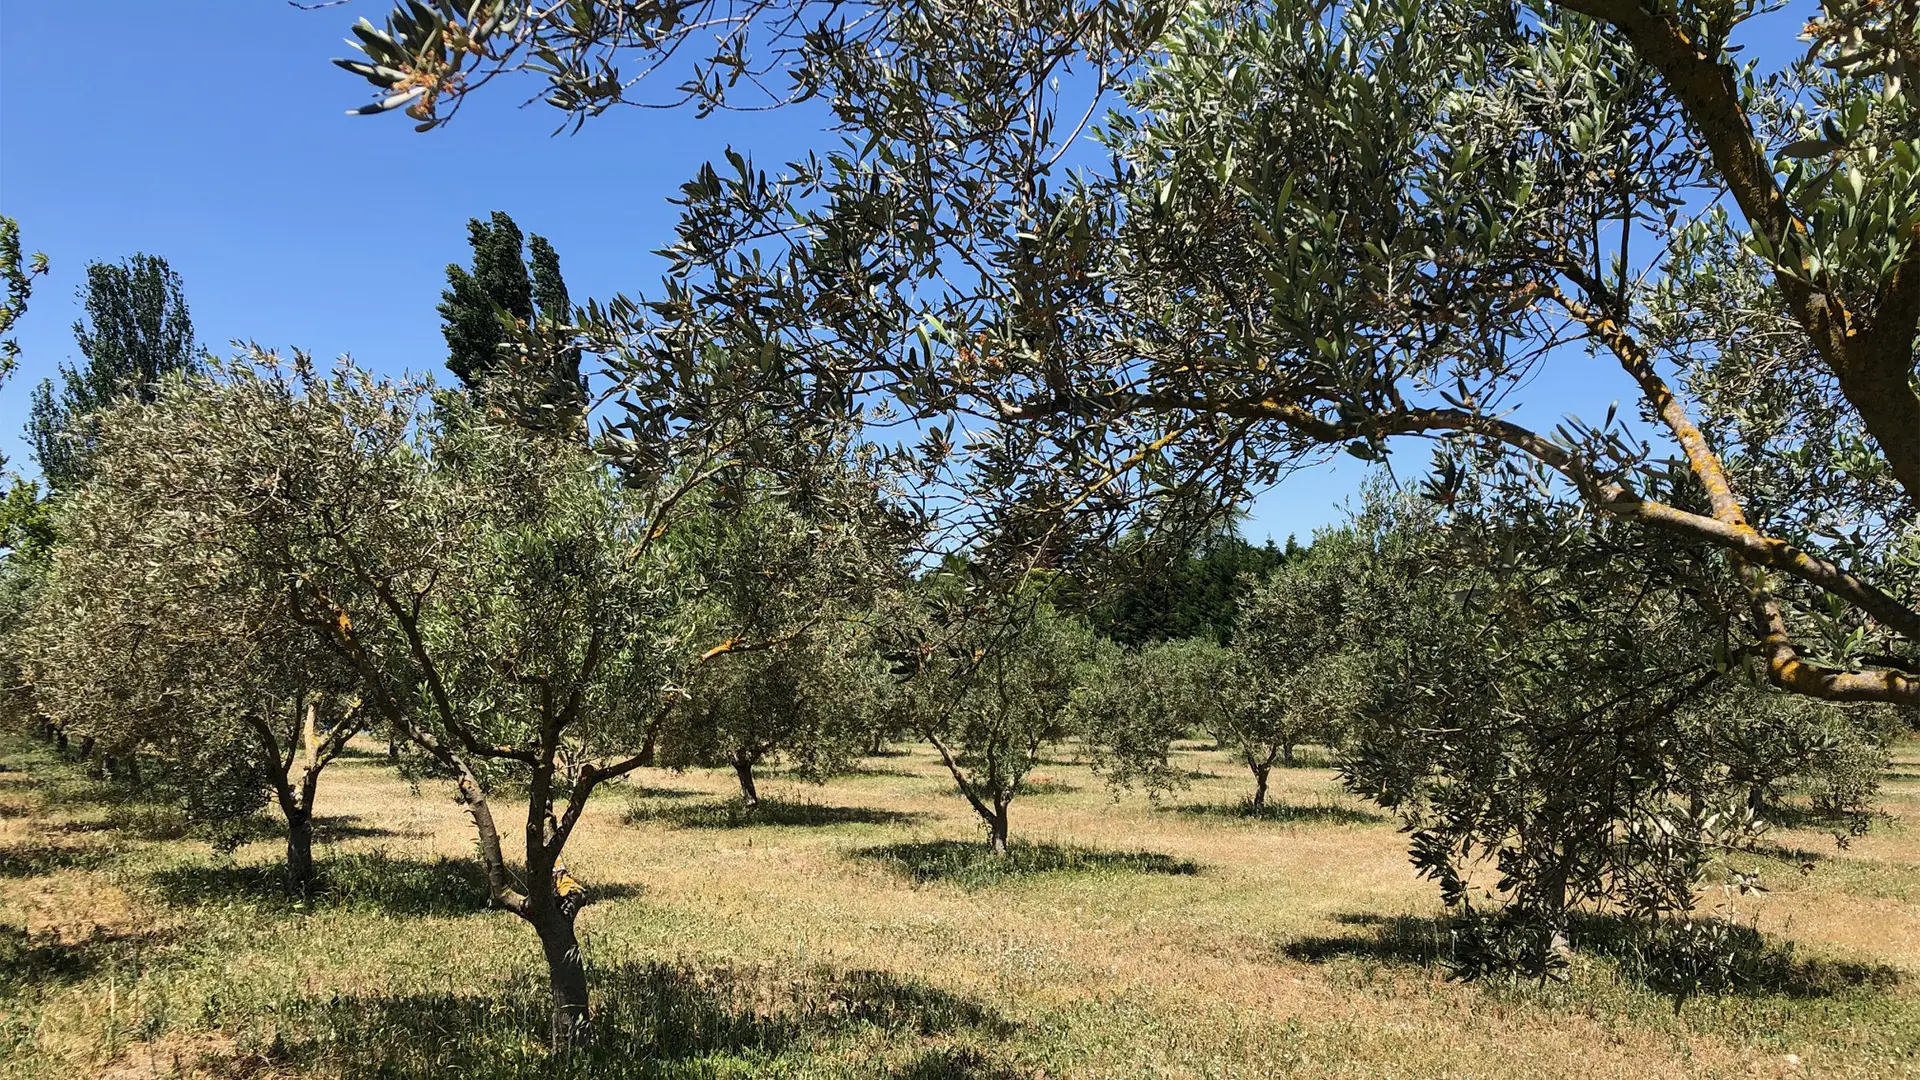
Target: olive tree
{"x":1333,"y":227}
{"x":814,"y":700}
{"x":795,"y":559}
{"x":1559,"y":735}
{"x":157,"y":627}
{"x":1302,"y":651}
{"x":991,"y":676}
{"x":509,"y":606}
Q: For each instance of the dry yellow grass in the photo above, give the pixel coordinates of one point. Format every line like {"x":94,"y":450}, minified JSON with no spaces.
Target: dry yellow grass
{"x":1279,"y":956}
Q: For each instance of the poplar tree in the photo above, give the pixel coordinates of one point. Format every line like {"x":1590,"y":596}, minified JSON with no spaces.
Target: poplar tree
{"x":136,"y":330}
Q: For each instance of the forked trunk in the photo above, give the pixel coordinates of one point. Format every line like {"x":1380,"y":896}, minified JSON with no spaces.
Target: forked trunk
{"x":299,"y":854}
{"x":1260,"y":774}
{"x":566,"y":975}
{"x":743,"y":768}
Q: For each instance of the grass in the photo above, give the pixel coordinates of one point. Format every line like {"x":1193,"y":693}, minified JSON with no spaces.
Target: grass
{"x":971,"y":866}
{"x":863,"y":930}
{"x":768,"y":813}
{"x":1325,"y":810}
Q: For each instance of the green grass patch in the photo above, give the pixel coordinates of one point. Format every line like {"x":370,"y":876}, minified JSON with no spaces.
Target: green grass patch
{"x":974,"y":865}
{"x":785,"y":813}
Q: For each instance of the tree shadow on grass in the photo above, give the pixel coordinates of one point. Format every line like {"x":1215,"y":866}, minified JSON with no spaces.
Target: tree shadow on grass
{"x":1320,"y":813}
{"x":1047,"y":787}
{"x":1402,"y":939}
{"x":972,"y":865}
{"x":354,"y":827}
{"x":1757,"y":966}
{"x":795,"y":813}
{"x":362,"y":880}
{"x":651,"y":1020}
{"x":645,"y":792}
{"x":951,"y":1063}
{"x":29,"y":959}
{"x":39,"y":859}
{"x":374,"y":880}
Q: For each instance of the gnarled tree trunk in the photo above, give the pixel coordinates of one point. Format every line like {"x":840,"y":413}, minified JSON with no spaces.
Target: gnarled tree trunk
{"x":743,"y":769}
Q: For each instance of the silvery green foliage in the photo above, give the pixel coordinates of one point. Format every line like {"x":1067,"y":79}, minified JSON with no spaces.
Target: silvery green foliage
{"x":1143,"y":698}
{"x":1327,"y":227}
{"x":797,"y":553}
{"x":1560,"y":736}
{"x":159,"y":629}
{"x":996,"y":679}
{"x":1304,"y":651}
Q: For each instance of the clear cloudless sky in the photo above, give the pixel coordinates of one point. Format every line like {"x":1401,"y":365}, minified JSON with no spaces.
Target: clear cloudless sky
{"x":213,"y":132}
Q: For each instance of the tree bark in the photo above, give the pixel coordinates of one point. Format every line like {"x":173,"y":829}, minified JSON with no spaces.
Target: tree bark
{"x":743,"y":768}
{"x":997,"y":827}
{"x":1286,"y":755}
{"x":566,"y":973}
{"x":1260,"y":773}
{"x":300,"y":853}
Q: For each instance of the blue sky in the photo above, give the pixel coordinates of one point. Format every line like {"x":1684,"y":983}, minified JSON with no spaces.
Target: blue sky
{"x":214,"y":134}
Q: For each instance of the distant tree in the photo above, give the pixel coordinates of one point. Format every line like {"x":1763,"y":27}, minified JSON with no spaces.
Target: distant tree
{"x":1301,"y":648}
{"x":804,"y":587}
{"x":503,"y":296}
{"x":160,"y":628}
{"x":1136,"y":701}
{"x":992,"y":678}
{"x":1197,"y":595}
{"x":136,"y":331}
{"x":814,"y":701}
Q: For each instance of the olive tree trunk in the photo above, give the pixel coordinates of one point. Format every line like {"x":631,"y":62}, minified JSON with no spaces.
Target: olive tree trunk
{"x":300,"y":853}
{"x":743,"y":768}
{"x":566,"y":970}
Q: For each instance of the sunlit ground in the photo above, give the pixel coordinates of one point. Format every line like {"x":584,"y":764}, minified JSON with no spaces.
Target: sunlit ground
{"x":858,"y":929}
